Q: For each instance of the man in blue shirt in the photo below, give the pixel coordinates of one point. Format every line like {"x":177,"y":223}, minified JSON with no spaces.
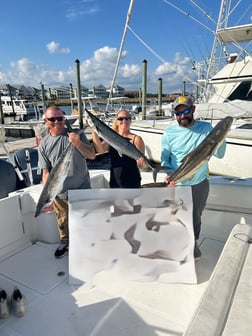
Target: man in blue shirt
{"x":177,"y":142}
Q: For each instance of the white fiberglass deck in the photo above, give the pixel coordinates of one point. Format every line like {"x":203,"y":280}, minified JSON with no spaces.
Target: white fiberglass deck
{"x":124,"y":308}
{"x":57,"y":308}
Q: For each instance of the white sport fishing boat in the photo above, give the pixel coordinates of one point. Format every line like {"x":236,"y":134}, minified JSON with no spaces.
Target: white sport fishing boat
{"x":227,"y":91}
{"x":130,"y":268}
{"x":111,"y":291}
{"x":19,"y":109}
{"x":235,"y":161}
{"x":90,"y":103}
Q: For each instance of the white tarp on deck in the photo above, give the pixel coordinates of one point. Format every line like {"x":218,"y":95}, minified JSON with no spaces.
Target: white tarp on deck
{"x":131,"y":235}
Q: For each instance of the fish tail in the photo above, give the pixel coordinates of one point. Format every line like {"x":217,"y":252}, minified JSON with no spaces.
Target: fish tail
{"x":156,"y":168}
{"x":154,"y":174}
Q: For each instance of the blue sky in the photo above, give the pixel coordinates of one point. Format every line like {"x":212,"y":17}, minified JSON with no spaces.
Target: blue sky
{"x":40,"y":41}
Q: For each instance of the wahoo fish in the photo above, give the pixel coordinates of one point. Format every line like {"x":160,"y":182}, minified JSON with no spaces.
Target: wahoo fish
{"x":203,"y":152}
{"x":55,"y":180}
{"x":120,"y":143}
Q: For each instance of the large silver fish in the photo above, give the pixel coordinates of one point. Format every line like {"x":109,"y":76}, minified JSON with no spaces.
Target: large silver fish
{"x":55,"y":180}
{"x":203,"y":152}
{"x":120,"y":143}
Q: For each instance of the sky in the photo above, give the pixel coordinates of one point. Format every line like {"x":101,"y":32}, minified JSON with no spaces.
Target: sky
{"x":41,"y":41}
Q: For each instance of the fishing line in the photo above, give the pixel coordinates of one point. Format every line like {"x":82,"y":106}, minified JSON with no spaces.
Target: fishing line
{"x":161,"y":58}
{"x":203,"y":11}
{"x":189,"y":16}
{"x":207,"y":92}
{"x":171,"y":66}
{"x":120,"y":50}
{"x":206,"y":89}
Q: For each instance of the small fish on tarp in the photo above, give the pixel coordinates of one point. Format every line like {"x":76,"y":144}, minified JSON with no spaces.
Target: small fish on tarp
{"x":55,"y":180}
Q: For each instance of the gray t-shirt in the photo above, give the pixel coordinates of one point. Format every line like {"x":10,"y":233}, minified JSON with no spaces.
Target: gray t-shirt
{"x":50,"y":150}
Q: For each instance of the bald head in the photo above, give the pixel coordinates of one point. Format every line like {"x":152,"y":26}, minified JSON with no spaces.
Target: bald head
{"x":55,"y":120}
{"x":53,"y":111}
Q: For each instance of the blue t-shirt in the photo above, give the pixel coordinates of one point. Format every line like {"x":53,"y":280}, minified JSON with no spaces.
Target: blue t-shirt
{"x":179,"y":141}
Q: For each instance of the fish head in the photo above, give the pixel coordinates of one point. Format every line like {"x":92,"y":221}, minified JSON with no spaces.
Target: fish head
{"x":228,"y":123}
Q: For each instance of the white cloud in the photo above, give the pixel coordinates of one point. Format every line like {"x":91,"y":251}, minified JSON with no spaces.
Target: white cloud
{"x":99,"y":69}
{"x":78,"y":9}
{"x":54,"y":48}
{"x":25,"y":66}
{"x":174,"y":73}
{"x":131,"y":70}
{"x":105,"y":55}
{"x":22,"y":71}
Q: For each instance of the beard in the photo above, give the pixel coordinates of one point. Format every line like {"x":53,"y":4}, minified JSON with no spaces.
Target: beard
{"x":186,"y":121}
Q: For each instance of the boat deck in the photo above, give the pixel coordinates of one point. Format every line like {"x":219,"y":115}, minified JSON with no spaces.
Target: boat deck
{"x":227,"y":302}
{"x":15,"y":145}
{"x":56,"y":307}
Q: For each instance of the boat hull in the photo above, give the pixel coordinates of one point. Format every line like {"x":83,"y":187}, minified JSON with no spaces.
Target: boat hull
{"x":234,"y":163}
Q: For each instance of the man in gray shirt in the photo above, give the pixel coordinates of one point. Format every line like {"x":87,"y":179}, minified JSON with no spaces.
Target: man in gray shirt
{"x":49,"y":151}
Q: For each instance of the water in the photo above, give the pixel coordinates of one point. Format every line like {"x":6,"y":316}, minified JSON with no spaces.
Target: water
{"x":67,"y":109}
{"x":101,"y":161}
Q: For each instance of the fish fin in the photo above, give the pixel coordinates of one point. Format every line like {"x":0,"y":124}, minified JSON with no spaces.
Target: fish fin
{"x":156,"y":168}
{"x":184,"y":159}
{"x":154,"y":175}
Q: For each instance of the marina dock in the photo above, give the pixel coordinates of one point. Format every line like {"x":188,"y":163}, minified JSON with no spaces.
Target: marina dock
{"x":14,"y":145}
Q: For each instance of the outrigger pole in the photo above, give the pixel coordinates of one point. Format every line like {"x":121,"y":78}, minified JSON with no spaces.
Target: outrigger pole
{"x":120,"y":50}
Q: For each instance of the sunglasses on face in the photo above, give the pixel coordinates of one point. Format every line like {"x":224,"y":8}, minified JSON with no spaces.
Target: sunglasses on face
{"x":53,"y":119}
{"x":185,"y":112}
{"x":123,"y":118}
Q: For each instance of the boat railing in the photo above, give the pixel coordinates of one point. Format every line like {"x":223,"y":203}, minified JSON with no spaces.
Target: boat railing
{"x":221,"y":303}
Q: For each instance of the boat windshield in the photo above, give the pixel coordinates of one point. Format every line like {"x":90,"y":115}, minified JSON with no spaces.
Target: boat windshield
{"x":243,"y":91}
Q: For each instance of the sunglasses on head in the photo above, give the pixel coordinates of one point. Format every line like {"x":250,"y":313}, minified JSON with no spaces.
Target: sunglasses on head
{"x":53,"y":119}
{"x":123,"y":118}
{"x":185,"y":112}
